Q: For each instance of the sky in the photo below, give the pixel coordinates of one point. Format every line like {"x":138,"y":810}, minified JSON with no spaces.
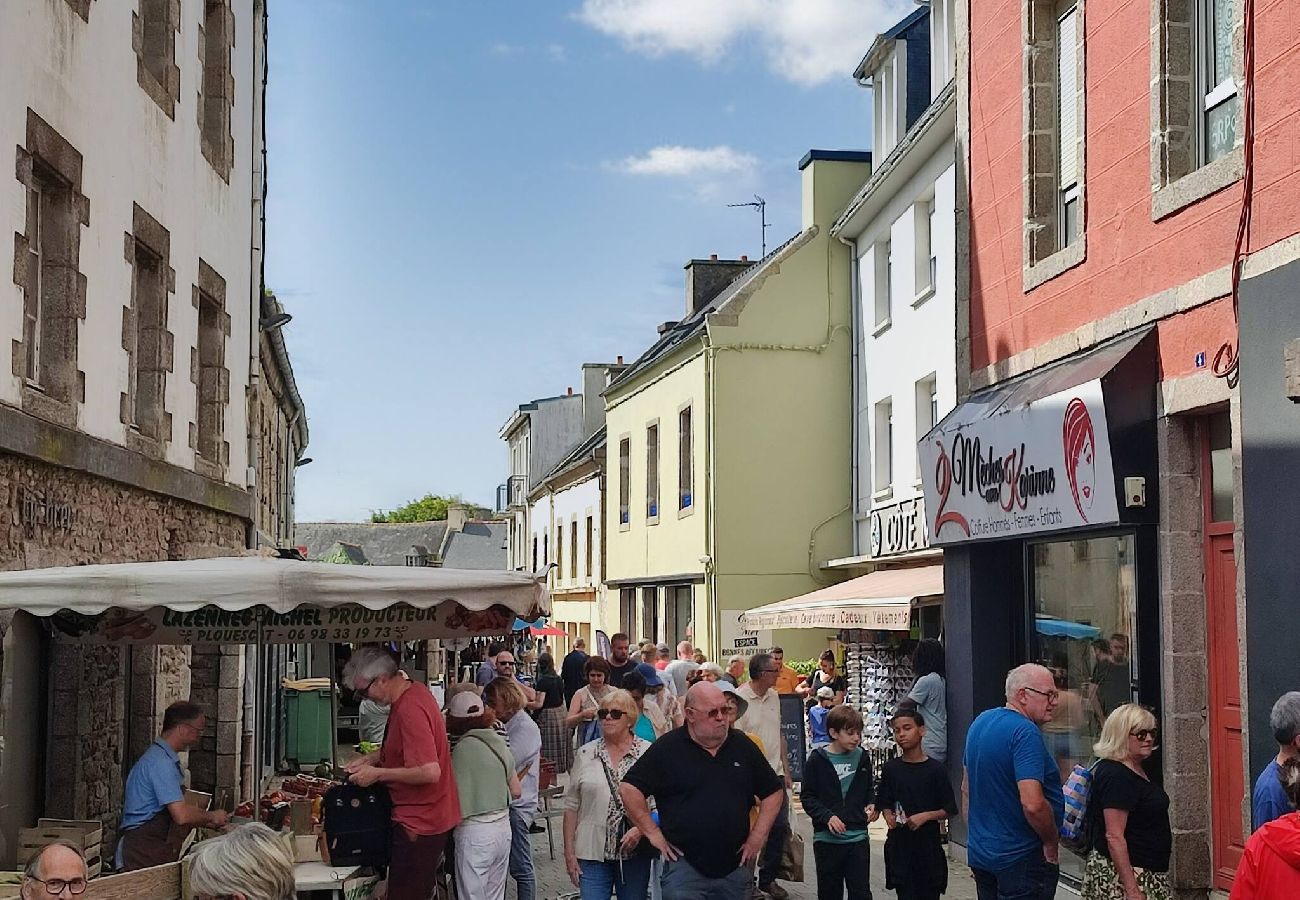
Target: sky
{"x":468,"y":199}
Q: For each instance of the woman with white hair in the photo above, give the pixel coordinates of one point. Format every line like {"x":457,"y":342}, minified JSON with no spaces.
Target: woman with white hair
{"x":249,"y":863}
{"x":1128,"y":813}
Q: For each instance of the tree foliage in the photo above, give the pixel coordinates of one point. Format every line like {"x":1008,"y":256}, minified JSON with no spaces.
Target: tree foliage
{"x":429,"y":508}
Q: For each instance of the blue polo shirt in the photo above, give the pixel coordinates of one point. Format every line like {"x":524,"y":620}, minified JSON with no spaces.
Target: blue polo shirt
{"x":155,"y":780}
{"x":1269,"y":800}
{"x":1003,"y":748}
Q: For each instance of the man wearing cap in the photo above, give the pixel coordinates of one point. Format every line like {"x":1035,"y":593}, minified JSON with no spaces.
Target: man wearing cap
{"x":818,"y":734}
{"x":682,"y":666}
{"x":704,"y":778}
{"x":414,"y":764}
{"x":663,"y":656}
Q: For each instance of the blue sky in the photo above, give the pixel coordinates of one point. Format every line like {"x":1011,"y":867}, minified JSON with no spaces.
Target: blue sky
{"x":468,"y":200}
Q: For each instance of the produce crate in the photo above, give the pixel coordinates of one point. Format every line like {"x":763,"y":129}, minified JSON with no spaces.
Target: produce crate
{"x":92,"y":836}
{"x":84,"y":835}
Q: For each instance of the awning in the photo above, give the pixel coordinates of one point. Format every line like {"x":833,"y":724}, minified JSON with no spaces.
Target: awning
{"x":881,"y":600}
{"x":250,"y":598}
{"x":1053,"y":627}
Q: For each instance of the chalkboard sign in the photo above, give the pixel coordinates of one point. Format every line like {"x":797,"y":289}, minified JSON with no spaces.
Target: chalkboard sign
{"x":792,"y":732}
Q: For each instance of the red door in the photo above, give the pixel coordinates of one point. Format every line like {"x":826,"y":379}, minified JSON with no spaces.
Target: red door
{"x":1227,"y":781}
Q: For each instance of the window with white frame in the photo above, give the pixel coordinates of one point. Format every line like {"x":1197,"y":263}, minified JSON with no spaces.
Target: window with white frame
{"x":624,"y":481}
{"x":943,"y":44}
{"x":925,"y":262}
{"x":927,"y":411}
{"x":884,"y":455}
{"x":685,"y":461}
{"x":652,"y":472}
{"x":886,"y":103}
{"x":1068,"y":131}
{"x":883,"y":260}
{"x":1216,"y":87}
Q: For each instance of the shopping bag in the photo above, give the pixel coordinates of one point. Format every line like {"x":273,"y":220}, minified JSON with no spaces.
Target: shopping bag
{"x":790,"y":868}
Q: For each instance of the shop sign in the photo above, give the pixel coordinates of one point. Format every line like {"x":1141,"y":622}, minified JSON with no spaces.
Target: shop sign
{"x":899,"y":528}
{"x":738,"y":639}
{"x":37,"y":509}
{"x":890,"y":616}
{"x":306,"y":624}
{"x":1045,"y":466}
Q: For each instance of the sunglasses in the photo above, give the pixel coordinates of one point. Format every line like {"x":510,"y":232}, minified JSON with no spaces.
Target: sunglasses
{"x":614,"y":714}
{"x":1143,"y":734}
{"x":505,"y":662}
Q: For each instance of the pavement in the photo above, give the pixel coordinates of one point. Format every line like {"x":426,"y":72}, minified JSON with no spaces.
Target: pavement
{"x":554,"y":883}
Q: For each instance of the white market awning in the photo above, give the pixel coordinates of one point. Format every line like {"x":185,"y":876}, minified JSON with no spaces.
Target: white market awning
{"x":250,"y":598}
{"x":881,"y":600}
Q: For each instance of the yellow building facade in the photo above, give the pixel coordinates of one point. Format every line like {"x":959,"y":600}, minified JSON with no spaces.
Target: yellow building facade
{"x":729,"y":449}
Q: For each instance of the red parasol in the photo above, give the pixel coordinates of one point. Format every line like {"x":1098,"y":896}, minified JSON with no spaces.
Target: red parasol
{"x":548,"y":631}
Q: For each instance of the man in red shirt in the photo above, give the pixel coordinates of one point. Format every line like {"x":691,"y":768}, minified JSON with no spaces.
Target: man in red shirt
{"x":415,"y":764}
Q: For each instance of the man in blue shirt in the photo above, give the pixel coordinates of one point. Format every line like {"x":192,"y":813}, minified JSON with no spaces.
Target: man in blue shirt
{"x":1012,"y":792}
{"x":155,"y":816}
{"x":1269,"y":801}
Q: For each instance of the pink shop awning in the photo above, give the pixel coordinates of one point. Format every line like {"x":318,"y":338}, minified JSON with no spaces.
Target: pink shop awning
{"x":881,"y":600}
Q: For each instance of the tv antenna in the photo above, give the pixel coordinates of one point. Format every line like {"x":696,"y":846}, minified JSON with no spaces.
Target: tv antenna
{"x":761,"y":205}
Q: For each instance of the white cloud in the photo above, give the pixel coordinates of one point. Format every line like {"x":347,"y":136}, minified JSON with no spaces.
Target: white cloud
{"x":677,"y":161}
{"x":501,"y":48}
{"x":557,"y":53}
{"x":805,"y":41}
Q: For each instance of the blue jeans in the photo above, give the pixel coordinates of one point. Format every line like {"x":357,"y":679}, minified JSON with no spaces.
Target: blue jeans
{"x":521,"y":857}
{"x":771,"y":857}
{"x":682,"y":881}
{"x":1030,"y":878}
{"x":600,"y":880}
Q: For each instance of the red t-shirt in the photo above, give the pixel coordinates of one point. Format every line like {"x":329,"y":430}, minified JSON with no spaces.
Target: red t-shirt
{"x":417,"y":735}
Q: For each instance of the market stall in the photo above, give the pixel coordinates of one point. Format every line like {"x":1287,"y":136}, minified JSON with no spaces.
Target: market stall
{"x":264,"y":600}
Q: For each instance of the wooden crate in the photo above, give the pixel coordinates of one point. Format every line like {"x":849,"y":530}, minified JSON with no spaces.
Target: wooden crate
{"x":92,"y":831}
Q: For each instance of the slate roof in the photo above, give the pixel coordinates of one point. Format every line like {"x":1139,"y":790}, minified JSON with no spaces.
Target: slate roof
{"x":693,"y":324}
{"x":383,"y":544}
{"x":579,"y":454}
{"x":481,"y":545}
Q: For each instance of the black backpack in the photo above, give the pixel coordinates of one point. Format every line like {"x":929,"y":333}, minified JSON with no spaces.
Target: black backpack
{"x":357,"y":822}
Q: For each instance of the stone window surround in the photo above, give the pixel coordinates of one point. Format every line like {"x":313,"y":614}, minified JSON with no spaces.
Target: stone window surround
{"x":48,"y":155}
{"x":1176,"y":180}
{"x":211,"y":379}
{"x":216,"y":94}
{"x":165,"y":91}
{"x":151,"y":437}
{"x":1039,"y":105}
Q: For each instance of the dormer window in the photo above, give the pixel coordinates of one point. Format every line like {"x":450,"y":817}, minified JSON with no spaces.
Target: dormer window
{"x":888,"y":102}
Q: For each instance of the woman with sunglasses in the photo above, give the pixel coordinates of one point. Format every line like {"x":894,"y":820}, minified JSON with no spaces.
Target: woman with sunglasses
{"x":601,"y":847}
{"x":1128,"y":814}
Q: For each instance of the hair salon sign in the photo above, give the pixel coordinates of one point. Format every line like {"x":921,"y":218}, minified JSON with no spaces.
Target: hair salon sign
{"x":1040,"y":467}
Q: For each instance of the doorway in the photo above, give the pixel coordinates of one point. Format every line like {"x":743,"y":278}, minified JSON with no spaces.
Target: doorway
{"x":1227,"y":778}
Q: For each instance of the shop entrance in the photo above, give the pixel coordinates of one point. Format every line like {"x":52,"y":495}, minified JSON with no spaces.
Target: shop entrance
{"x":1227,"y":779}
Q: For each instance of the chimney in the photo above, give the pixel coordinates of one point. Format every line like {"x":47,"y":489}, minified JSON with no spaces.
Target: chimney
{"x":620,"y":359}
{"x":664,"y":326}
{"x":568,"y":392}
{"x":744,"y":258}
{"x":457,"y":516}
{"x":706,"y":278}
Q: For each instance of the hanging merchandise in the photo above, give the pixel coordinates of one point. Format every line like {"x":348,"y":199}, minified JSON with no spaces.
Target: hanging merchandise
{"x":879,"y":672}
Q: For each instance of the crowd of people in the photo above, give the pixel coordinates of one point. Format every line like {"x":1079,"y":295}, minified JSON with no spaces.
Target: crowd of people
{"x":679,"y":786}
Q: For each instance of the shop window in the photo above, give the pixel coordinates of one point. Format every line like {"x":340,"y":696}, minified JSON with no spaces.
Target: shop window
{"x":682,"y":612}
{"x":626,"y":611}
{"x":652,"y":472}
{"x":650,"y":613}
{"x":1083,"y":620}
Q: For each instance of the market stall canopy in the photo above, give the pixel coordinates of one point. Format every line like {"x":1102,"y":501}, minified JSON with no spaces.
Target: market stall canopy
{"x":881,"y":600}
{"x":250,"y":598}
{"x":1053,"y":627}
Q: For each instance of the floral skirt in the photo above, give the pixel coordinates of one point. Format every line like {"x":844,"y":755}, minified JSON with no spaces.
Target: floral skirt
{"x":1101,"y":881}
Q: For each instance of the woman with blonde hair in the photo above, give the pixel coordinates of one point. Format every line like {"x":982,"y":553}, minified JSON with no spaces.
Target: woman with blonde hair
{"x":1130,"y":837}
{"x":249,"y":863}
{"x":600,"y":845}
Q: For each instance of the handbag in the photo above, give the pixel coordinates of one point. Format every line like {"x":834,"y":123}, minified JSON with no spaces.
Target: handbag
{"x":643,"y":847}
{"x":790,"y":868}
{"x":1076,"y":827}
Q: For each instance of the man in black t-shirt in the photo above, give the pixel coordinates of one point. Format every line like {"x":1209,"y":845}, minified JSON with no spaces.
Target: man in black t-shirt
{"x":620,"y":661}
{"x":704,"y":778}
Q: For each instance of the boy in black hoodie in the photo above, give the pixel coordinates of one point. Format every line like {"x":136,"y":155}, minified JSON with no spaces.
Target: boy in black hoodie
{"x":836,"y":790}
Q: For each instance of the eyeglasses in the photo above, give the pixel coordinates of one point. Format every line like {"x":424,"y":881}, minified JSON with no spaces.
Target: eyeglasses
{"x":614,"y":714}
{"x":1145,"y":734}
{"x":771,"y":672}
{"x":1052,"y":696}
{"x":366,"y":688}
{"x":56,"y":885}
{"x":505,"y":662}
{"x":718,"y":713}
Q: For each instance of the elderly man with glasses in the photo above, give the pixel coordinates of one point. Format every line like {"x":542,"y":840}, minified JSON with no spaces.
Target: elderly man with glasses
{"x":155,"y":795}
{"x":507,"y":667}
{"x":56,"y":870}
{"x":1012,"y":793}
{"x":762,"y":719}
{"x":704,"y":778}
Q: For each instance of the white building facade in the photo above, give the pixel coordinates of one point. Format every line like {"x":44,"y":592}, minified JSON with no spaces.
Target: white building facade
{"x":902,"y":226}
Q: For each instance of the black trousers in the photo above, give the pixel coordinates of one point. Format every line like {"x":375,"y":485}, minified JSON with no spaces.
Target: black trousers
{"x":905,"y":894}
{"x":841,"y":867}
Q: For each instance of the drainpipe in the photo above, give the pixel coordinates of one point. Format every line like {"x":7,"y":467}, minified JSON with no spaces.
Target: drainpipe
{"x":855,"y":298}
{"x":710,"y":520}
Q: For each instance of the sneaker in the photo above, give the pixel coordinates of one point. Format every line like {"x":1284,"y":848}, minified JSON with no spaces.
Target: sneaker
{"x":536,"y":828}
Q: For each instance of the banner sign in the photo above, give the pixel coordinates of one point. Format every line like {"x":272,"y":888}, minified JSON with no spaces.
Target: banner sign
{"x":898,"y":528}
{"x":1042,"y":467}
{"x":738,"y":639}
{"x":884,"y":616}
{"x":304,"y":625}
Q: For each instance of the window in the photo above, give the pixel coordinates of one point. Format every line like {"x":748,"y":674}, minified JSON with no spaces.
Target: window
{"x":685,"y":460}
{"x":927,"y":412}
{"x":884,"y":475}
{"x":1217,"y":88}
{"x":153,"y":37}
{"x":546,"y":549}
{"x":1068,"y":132}
{"x":559,"y":551}
{"x":208,"y":369}
{"x":943,"y":45}
{"x":534,"y":553}
{"x":591,"y":546}
{"x":627,"y":610}
{"x":216,"y":94}
{"x":925,"y":262}
{"x":46,"y":271}
{"x":624,"y":481}
{"x":1219,"y":428}
{"x":652,"y":472}
{"x":573,"y":550}
{"x":883,"y":253}
{"x":650,"y":612}
{"x":885,"y":90}
{"x":145,"y":337}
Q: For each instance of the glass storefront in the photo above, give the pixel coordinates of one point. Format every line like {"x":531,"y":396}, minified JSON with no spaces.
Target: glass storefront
{"x":1084,"y":604}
